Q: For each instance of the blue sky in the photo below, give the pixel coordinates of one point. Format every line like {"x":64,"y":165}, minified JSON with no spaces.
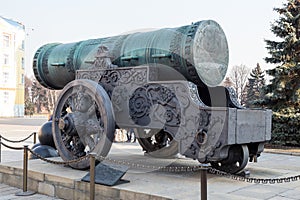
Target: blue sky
{"x":245,"y":23}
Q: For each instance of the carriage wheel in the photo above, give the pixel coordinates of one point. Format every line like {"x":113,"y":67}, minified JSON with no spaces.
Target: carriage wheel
{"x":83,"y":122}
{"x":236,"y":161}
{"x":157,"y":143}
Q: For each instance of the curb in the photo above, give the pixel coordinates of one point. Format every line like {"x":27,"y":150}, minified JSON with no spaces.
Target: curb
{"x":280,"y":151}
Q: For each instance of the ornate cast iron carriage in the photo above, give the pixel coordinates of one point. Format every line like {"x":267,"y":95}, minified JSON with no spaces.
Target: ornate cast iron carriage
{"x":163,"y":84}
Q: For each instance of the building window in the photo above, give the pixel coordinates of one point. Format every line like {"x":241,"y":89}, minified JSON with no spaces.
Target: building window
{"x":5,"y":59}
{"x":23,"y":63}
{"x":6,"y":40}
{"x":5,"y":97}
{"x":5,"y":76}
{"x":23,"y":44}
{"x":22,"y":79}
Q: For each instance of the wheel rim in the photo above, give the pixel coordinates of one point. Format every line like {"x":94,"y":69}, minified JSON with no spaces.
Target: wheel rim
{"x":157,"y":143}
{"x":83,"y":122}
{"x":236,"y":161}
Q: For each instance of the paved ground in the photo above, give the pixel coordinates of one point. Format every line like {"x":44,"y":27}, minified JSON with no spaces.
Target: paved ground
{"x":9,"y":193}
{"x":180,"y":185}
{"x":16,"y":129}
{"x":185,"y":185}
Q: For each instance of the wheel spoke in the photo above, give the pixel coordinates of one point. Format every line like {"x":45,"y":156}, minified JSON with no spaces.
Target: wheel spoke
{"x":85,"y":124}
{"x":67,"y":140}
{"x":157,"y":143}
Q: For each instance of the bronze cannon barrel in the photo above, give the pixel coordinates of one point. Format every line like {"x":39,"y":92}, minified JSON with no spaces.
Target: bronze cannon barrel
{"x":198,"y":51}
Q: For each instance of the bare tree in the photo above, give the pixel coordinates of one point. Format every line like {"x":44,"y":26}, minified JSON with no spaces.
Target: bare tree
{"x":52,"y":97}
{"x":29,"y":106}
{"x":39,"y":98}
{"x":227,"y":82}
{"x":27,"y":88}
{"x":239,"y":76}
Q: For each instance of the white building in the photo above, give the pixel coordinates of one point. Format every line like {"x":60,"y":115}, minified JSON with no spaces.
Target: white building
{"x":12,"y":68}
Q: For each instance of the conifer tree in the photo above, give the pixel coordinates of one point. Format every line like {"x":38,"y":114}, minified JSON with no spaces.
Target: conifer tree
{"x":283,"y":92}
{"x":254,"y":88}
{"x":39,"y":96}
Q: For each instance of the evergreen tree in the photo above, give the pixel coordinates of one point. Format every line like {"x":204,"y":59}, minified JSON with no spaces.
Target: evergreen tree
{"x":254,"y":91}
{"x":39,"y":96}
{"x":283,"y":92}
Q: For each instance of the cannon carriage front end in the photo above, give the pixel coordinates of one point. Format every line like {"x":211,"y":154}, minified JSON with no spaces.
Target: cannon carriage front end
{"x":164,"y":85}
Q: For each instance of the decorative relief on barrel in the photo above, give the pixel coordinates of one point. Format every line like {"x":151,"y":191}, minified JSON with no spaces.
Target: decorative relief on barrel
{"x":102,"y":59}
{"x":175,"y":48}
{"x":189,"y":52}
{"x":116,"y":49}
{"x":70,"y":65}
{"x":210,"y":53}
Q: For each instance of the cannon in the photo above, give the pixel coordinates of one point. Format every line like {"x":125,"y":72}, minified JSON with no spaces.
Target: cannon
{"x":164,"y":84}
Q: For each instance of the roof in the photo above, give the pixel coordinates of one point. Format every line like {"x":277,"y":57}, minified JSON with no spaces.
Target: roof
{"x":13,"y":23}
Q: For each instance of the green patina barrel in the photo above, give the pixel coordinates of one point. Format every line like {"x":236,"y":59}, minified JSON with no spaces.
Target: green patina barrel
{"x":198,"y":51}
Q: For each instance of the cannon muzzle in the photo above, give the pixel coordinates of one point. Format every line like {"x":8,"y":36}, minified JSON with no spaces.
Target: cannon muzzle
{"x":198,"y":51}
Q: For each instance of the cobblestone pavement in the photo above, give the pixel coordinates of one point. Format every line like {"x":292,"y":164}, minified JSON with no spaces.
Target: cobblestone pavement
{"x":8,"y":192}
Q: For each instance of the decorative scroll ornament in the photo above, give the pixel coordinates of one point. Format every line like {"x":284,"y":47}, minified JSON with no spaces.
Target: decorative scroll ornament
{"x":233,"y":100}
{"x":149,"y":95}
{"x":193,"y":91}
{"x":110,"y":78}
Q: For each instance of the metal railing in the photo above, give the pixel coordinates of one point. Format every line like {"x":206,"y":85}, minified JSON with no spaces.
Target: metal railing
{"x":25,"y":192}
{"x":25,"y":148}
{"x":16,"y":141}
